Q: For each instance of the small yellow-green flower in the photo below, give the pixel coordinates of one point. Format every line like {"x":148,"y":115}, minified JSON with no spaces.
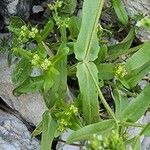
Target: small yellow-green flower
{"x":47,"y":63}
{"x":73,"y":109}
{"x":120,"y":71}
{"x":35,"y":60}
{"x":33,"y":32}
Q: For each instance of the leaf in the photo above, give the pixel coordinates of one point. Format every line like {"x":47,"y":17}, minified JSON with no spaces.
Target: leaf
{"x":58,"y":90}
{"x":139,"y":59}
{"x":31,"y":84}
{"x":16,"y":22}
{"x":105,"y":71}
{"x":137,"y":144}
{"x":68,"y":7}
{"x":86,"y":132}
{"x":48,"y":132}
{"x":38,"y":130}
{"x":87,"y":45}
{"x":47,"y":29}
{"x":120,"y":11}
{"x":22,"y":53}
{"x":102,"y":54}
{"x":88,"y":91}
{"x":135,"y":76}
{"x":49,"y":78}
{"x":22,"y":71}
{"x":121,"y":102}
{"x":117,"y":50}
{"x":74,"y":26}
{"x":137,"y":107}
{"x":146,"y":130}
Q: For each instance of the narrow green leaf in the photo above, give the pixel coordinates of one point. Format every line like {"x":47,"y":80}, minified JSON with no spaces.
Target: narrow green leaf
{"x":31,"y":84}
{"x":38,"y":129}
{"x":48,"y":132}
{"x":137,"y":107}
{"x":88,"y":91}
{"x":47,"y":29}
{"x":137,"y":144}
{"x":146,"y":130}
{"x":138,"y":59}
{"x":22,"y":71}
{"x":86,"y":132}
{"x":22,"y":53}
{"x":58,"y":90}
{"x":117,"y":50}
{"x":102,"y":54}
{"x":121,"y":102}
{"x":15,"y":22}
{"x":135,"y":76}
{"x":49,"y":78}
{"x":87,"y":45}
{"x":120,"y":11}
{"x":74,"y":26}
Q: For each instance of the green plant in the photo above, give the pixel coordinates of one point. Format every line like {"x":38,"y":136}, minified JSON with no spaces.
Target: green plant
{"x":96,"y":65}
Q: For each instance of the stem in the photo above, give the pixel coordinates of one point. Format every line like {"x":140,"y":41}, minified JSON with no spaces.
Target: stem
{"x":109,"y":110}
{"x":132,"y":124}
{"x":63,"y":34}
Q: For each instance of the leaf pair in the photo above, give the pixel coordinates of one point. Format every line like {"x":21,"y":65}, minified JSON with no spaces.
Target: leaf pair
{"x":86,"y":49}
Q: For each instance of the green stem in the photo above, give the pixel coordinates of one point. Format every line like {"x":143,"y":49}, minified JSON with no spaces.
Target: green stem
{"x":63,"y":34}
{"x":132,"y":124}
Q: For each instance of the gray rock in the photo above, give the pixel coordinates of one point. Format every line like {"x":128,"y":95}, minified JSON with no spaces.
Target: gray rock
{"x":145,"y":141}
{"x":37,"y":9}
{"x":14,"y":135}
{"x":63,"y":146}
{"x":30,"y":106}
{"x":135,"y":7}
{"x":15,"y":7}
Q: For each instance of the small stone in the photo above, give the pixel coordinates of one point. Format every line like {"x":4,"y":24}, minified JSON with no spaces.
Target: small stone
{"x":37,"y":8}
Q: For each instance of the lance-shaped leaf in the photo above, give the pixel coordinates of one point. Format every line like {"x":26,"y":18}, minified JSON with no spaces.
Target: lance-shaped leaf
{"x":58,"y":90}
{"x":137,"y":107}
{"x":87,"y":46}
{"x":136,"y":75}
{"x":117,"y":50}
{"x":86,"y":132}
{"x":88,"y":91}
{"x":139,"y":58}
{"x":120,"y":11}
{"x":48,"y":131}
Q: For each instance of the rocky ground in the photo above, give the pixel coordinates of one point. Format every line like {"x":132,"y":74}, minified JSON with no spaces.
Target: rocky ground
{"x":19,"y":115}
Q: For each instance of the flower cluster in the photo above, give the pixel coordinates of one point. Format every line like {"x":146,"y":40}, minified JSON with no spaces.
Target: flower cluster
{"x":144,"y":22}
{"x":61,"y":22}
{"x":43,"y":64}
{"x":120,"y":71}
{"x":64,"y":121}
{"x":26,"y":33}
{"x":110,"y":142}
{"x":56,"y":5}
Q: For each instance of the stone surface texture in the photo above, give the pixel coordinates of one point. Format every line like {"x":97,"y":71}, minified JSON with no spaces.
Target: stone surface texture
{"x":14,"y":135}
{"x":134,"y":7}
{"x":30,"y":106}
